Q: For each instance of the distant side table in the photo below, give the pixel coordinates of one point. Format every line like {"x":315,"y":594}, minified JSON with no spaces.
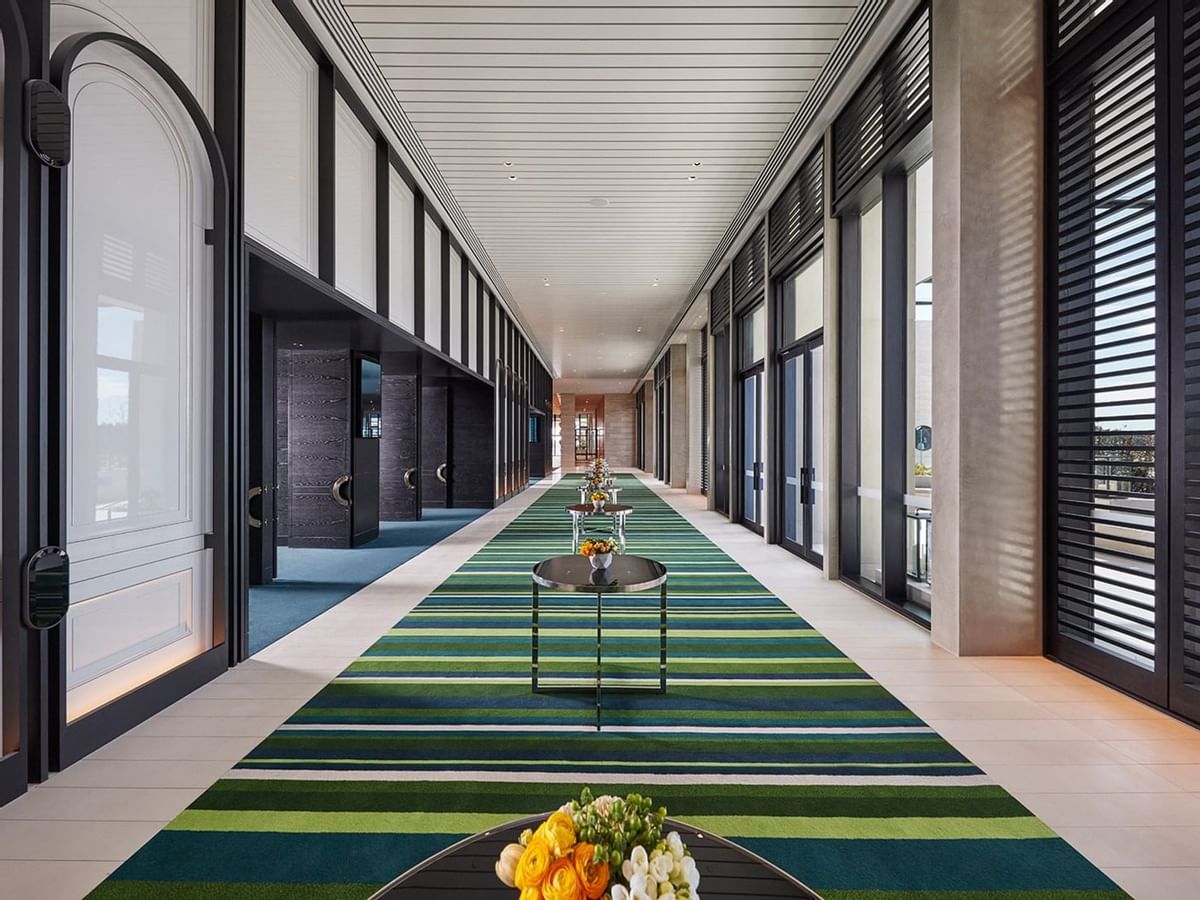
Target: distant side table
{"x":585,"y":492}
{"x":625,"y":575}
{"x":579,"y":530}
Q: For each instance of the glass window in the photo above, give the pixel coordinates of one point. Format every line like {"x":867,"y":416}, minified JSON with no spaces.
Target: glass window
{"x":919,"y":489}
{"x":804,"y":301}
{"x":754,"y":336}
{"x":870,"y":411}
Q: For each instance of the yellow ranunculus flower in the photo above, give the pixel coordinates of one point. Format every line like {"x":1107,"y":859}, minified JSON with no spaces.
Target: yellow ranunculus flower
{"x":534,"y":864}
{"x":531,"y":893}
{"x":562,"y":882}
{"x":558,"y":832}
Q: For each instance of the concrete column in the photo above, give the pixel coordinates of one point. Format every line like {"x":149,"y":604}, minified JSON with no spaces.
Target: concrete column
{"x":695,"y":396}
{"x":987,"y":326}
{"x":566,"y":405}
{"x":680,"y":443}
{"x":618,"y":430}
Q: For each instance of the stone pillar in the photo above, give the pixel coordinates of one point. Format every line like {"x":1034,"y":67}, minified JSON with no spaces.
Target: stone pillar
{"x":618,"y":430}
{"x":680,"y":452}
{"x":566,"y":404}
{"x":651,"y":435}
{"x":695,"y":398}
{"x":987,"y":326}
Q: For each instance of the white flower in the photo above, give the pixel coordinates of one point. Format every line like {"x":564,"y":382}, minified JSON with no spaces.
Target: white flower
{"x":690,"y":873}
{"x":626,"y":870}
{"x":669,"y":895}
{"x":660,"y":866}
{"x":638,"y":858}
{"x":675,"y":844}
{"x":619,"y":892}
{"x":642,"y":888}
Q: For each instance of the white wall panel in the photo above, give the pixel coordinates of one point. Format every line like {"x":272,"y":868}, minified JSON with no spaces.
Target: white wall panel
{"x":433,"y":283}
{"x":127,"y":629}
{"x":281,"y":137}
{"x":485,"y":310}
{"x":473,"y":323}
{"x":354,"y":206}
{"x":401,"y":261}
{"x":456,"y":341}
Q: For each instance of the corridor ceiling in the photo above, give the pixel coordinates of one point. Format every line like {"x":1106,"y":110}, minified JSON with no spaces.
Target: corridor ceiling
{"x":600,"y":150}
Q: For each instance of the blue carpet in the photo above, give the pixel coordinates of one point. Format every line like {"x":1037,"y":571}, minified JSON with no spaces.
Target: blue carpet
{"x":312,"y":581}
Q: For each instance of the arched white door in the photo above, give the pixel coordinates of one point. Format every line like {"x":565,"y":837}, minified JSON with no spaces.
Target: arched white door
{"x":138,"y":383}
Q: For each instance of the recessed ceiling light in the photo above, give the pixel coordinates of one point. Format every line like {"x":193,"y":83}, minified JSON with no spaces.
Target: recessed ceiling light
{"x":512,"y":177}
{"x":561,"y":330}
{"x":695,"y":165}
{"x":639,"y":329}
{"x":508,"y":162}
{"x":691,"y":178}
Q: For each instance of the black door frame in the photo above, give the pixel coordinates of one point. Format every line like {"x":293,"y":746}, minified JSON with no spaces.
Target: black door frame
{"x":68,"y":742}
{"x":802,"y":350}
{"x":758,"y":370}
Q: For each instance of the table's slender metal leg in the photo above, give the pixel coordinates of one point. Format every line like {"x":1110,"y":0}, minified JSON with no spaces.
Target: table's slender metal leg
{"x":534,"y":661}
{"x":662,"y":639}
{"x":599,"y":632}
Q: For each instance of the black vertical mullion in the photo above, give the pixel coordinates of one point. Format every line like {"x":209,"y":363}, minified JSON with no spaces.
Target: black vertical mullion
{"x":850,"y":377}
{"x":326,"y":166}
{"x":419,"y":265}
{"x":383,"y":224}
{"x":894,"y":425}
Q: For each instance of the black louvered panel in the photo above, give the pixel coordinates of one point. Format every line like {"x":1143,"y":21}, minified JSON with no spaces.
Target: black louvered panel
{"x":798,"y":211}
{"x":1073,"y":16}
{"x":892,"y":100}
{"x":748,"y":266}
{"x":719,"y":303}
{"x":1191,"y":338}
{"x":1107,"y":353}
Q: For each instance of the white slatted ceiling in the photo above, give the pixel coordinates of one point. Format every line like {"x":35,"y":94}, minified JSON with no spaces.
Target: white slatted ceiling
{"x":591,"y":100}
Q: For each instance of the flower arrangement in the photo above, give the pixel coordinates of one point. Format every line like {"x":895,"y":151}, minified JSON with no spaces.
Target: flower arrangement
{"x":597,"y":496}
{"x":601,"y":848}
{"x":597,"y":547}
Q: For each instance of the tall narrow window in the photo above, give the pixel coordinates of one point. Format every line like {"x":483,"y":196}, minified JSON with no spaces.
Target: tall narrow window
{"x":870,"y":398}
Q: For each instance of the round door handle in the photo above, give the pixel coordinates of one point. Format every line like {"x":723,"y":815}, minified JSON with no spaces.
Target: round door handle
{"x":441,"y":473}
{"x":255,"y":521}
{"x":408,"y":479}
{"x":336,"y":490}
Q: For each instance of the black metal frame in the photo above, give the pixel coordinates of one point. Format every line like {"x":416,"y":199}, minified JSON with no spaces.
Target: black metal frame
{"x":802,"y":350}
{"x":753,"y":303}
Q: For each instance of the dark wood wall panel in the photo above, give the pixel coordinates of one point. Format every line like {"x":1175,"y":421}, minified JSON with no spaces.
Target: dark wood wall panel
{"x":319,"y":411}
{"x":399,"y":448}
{"x":435,"y":414}
{"x":472,"y":476}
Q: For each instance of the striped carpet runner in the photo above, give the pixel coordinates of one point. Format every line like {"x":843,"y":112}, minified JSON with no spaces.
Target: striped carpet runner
{"x":767,"y":735}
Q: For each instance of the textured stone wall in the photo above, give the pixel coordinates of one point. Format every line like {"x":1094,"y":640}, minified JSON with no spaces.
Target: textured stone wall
{"x":680,"y":430}
{"x":618,"y":429}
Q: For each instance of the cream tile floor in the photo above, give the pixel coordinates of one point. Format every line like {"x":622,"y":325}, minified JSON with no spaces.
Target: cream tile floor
{"x":1117,"y":779}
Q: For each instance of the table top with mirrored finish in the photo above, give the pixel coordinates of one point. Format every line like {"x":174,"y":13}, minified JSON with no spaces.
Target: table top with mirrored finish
{"x":609,"y":509}
{"x":624,"y":574}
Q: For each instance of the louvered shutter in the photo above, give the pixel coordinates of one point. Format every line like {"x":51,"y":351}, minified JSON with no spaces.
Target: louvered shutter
{"x":748,"y":267}
{"x":798,"y":212}
{"x":892,"y":104}
{"x":1106,"y":345}
{"x":719,"y":305}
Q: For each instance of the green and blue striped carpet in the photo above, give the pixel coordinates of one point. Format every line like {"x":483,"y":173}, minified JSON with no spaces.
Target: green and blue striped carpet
{"x":767,"y":735}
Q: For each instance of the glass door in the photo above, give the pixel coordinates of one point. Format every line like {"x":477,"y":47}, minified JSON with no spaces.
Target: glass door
{"x":753,"y":426}
{"x":803,"y":488}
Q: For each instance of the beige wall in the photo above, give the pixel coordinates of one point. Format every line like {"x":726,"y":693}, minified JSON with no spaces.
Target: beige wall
{"x":680,"y":437}
{"x":618,"y":430}
{"x":566,"y":404}
{"x":987,"y":145}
